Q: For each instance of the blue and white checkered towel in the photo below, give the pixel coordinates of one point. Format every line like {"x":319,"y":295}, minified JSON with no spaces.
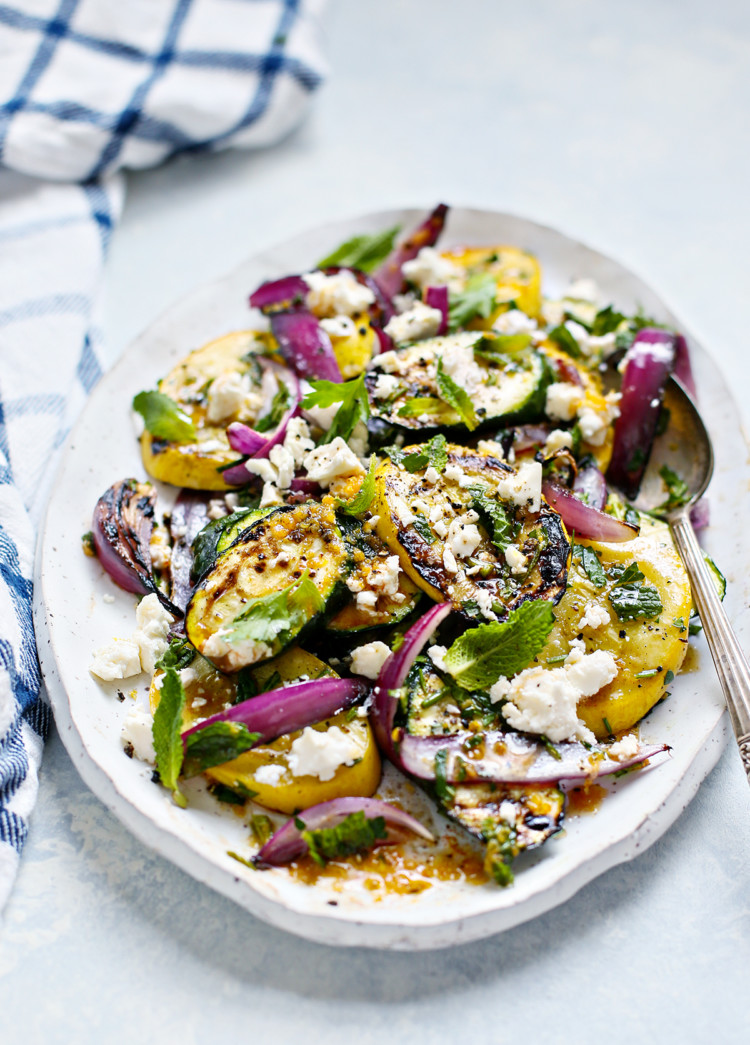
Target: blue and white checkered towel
{"x":88,"y":87}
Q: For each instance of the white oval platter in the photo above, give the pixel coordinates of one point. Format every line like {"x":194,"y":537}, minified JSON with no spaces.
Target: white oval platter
{"x":74,"y":614}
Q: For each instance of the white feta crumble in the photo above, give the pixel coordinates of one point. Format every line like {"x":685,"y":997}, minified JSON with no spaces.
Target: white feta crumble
{"x":579,"y":334}
{"x":385,"y":386}
{"x":339,"y":326}
{"x":337,"y":295}
{"x":369,"y":659}
{"x":136,"y":731}
{"x":403,"y":302}
{"x":429,"y":269}
{"x":320,"y":752}
{"x":558,"y":439}
{"x":217,"y":509}
{"x":432,"y":476}
{"x":151,"y":634}
{"x":401,"y":510}
{"x":441,"y":529}
{"x":161,"y":552}
{"x":454,"y":473}
{"x":297,"y":440}
{"x":514,"y":321}
{"x":119,"y":659}
{"x":261,"y":467}
{"x":483,"y":599}
{"x":523,"y":487}
{"x":283,"y":461}
{"x":108,"y":598}
{"x":625,"y":748}
{"x":596,"y":616}
{"x":421,"y":321}
{"x":387,"y":362}
{"x":238,"y":653}
{"x":230,"y":396}
{"x":358,"y":440}
{"x":460,"y":366}
{"x":563,"y":400}
{"x":515,"y":559}
{"x":384,"y":575}
{"x":492,"y":448}
{"x":271,"y":496}
{"x":331,"y":460}
{"x":449,"y":560}
{"x":437,"y":656}
{"x":367,"y":600}
{"x":269,"y":774}
{"x":594,"y":423}
{"x":463,"y":536}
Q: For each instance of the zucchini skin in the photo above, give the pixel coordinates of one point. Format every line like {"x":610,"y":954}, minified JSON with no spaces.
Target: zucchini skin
{"x":274,"y":553}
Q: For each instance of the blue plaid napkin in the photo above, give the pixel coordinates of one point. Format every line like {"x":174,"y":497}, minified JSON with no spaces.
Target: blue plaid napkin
{"x":88,"y":87}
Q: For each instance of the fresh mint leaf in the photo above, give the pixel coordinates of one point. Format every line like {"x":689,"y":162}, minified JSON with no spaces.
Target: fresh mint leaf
{"x":494,"y":516}
{"x":606,"y":321}
{"x":216,"y":744}
{"x":278,"y":408}
{"x":364,"y":252}
{"x":455,"y":396}
{"x":589,"y":561}
{"x":564,"y":340}
{"x":178,"y":655}
{"x":477,"y":299}
{"x":354,"y":405}
{"x":166,"y":732}
{"x":479,"y":657}
{"x":424,"y":530}
{"x":502,"y":848}
{"x":363,"y":497}
{"x":282,"y":612}
{"x":678,"y":492}
{"x":432,"y":455}
{"x":631,"y":599}
{"x":164,"y":418}
{"x":442,"y":788}
{"x":355,"y":834}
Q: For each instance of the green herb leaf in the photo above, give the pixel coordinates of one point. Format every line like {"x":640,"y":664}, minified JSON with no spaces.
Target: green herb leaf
{"x":442,"y":788}
{"x":500,"y":347}
{"x":677,"y":490}
{"x":364,"y":496}
{"x":424,"y":529}
{"x":565,"y":341}
{"x":455,"y":396}
{"x":164,"y":418}
{"x":495,"y":517}
{"x":631,"y":599}
{"x":502,"y":848}
{"x":279,"y":405}
{"x":648,"y":673}
{"x":262,"y":828}
{"x":476,"y":299}
{"x":589,"y":560}
{"x":166,"y":733}
{"x":479,"y":657}
{"x":216,"y":744}
{"x":364,"y":252}
{"x":355,"y":834}
{"x":606,"y":321}
{"x":432,"y":455}
{"x":352,"y":397}
{"x":282,"y":612}
{"x":178,"y":655}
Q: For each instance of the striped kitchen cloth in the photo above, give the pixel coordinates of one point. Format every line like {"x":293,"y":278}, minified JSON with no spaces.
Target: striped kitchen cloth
{"x":88,"y":87}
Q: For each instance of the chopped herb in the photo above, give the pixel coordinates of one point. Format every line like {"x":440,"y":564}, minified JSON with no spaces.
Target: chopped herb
{"x":565,"y":341}
{"x":364,"y":252}
{"x":178,"y":655}
{"x":455,"y":396}
{"x":432,"y":455}
{"x":495,"y":516}
{"x":363,"y":497}
{"x":677,"y":490}
{"x":476,"y":300}
{"x":607,"y":727}
{"x":89,"y":548}
{"x":270,"y":617}
{"x":424,"y":529}
{"x":662,"y":423}
{"x":355,"y":834}
{"x":647,"y":674}
{"x":166,"y":732}
{"x":164,"y":418}
{"x":606,"y":321}
{"x":669,"y":677}
{"x":558,"y":659}
{"x":226,"y":794}
{"x":241,"y":859}
{"x":262,"y":828}
{"x":679,"y":623}
{"x":631,"y":599}
{"x":550,"y":748}
{"x":247,"y":687}
{"x":502,"y":848}
{"x":442,"y":788}
{"x":591,"y":566}
{"x":279,"y":405}
{"x":353,"y":409}
{"x":215,"y":744}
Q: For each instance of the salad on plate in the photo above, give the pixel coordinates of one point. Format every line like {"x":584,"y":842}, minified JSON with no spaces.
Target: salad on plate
{"x":401,"y":531}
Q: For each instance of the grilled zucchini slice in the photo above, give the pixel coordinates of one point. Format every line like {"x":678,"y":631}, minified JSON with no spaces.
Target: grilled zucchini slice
{"x":415,"y":518}
{"x":220,"y":534}
{"x":286,"y":570}
{"x":196,"y":464}
{"x":504,"y":389}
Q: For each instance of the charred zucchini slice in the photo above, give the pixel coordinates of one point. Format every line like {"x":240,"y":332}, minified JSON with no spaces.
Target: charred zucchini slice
{"x":370,"y":557}
{"x":403,"y":386}
{"x":277,"y":578}
{"x":219,"y":534}
{"x":430,"y":525}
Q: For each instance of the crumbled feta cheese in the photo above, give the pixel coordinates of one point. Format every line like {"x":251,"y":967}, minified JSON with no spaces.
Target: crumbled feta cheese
{"x":385,"y":386}
{"x":449,"y":560}
{"x":524,"y":486}
{"x":337,"y":295}
{"x":217,"y":509}
{"x":238,"y":653}
{"x":429,"y":269}
{"x":492,"y":448}
{"x":369,"y":659}
{"x":339,"y":326}
{"x":431,"y":475}
{"x":384,"y":575}
{"x":331,"y":460}
{"x":283,"y":461}
{"x":624,"y":749}
{"x":270,"y":774}
{"x":403,"y":302}
{"x":593,"y":427}
{"x":358,"y":439}
{"x":515,"y":559}
{"x":322,"y":416}
{"x":553,"y":312}
{"x":402,"y":511}
{"x":544,"y":700}
{"x":108,"y":598}
{"x":463,"y":536}
{"x":558,"y":439}
{"x":579,"y":334}
{"x":320,"y":752}
{"x":514,"y":321}
{"x":152,"y":632}
{"x":387,"y":362}
{"x":161,"y":552}
{"x":136,"y":730}
{"x":483,"y":599}
{"x":261,"y":467}
{"x":460,"y":366}
{"x":367,"y":600}
{"x":596,"y":616}
{"x":454,"y":473}
{"x":419,"y":322}
{"x":583,"y":290}
{"x":440,"y":529}
{"x":271,"y":496}
{"x":602,"y":345}
{"x":563,"y":400}
{"x":229,"y":396}
{"x":297,"y":440}
{"x":119,"y":659}
{"x":437,"y":656}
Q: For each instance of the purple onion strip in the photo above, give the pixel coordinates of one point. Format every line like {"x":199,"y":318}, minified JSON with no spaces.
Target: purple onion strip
{"x":305,"y":345}
{"x":591,"y":487}
{"x":189,"y":516}
{"x":389,"y":276}
{"x":584,"y":520}
{"x":284,"y":291}
{"x":437,"y":297}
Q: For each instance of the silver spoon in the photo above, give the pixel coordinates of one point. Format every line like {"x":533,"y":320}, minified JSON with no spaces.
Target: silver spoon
{"x":686,"y":448}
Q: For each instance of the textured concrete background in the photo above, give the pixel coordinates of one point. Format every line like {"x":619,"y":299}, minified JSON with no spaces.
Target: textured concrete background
{"x":626,"y":126}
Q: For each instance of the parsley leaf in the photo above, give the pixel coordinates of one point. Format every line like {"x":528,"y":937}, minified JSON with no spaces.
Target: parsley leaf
{"x":277,"y":615}
{"x":355,"y":834}
{"x":216,"y":744}
{"x":166,"y":733}
{"x":455,"y":396}
{"x":565,"y":341}
{"x":363,"y":497}
{"x":352,"y":397}
{"x":279,"y":404}
{"x":631,"y":599}
{"x":476,"y":299}
{"x":163,"y":417}
{"x":478,"y":658}
{"x":677,"y":490}
{"x":591,"y":566}
{"x":364,"y":252}
{"x":432,"y":455}
{"x":494,"y":515}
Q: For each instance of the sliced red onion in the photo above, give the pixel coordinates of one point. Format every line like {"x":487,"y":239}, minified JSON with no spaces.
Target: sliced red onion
{"x":385,"y":341}
{"x":591,"y":486}
{"x":394,"y":672}
{"x":566,"y":371}
{"x":511,"y":758}
{"x":287,"y":843}
{"x":648,"y":364}
{"x":189,"y":516}
{"x":300,"y":485}
{"x":583,"y":520}
{"x":305,"y":345}
{"x":683,"y":369}
{"x":245,"y":440}
{"x":389,"y":276}
{"x":526,"y":437}
{"x":700,"y":515}
{"x":437,"y":297}
{"x":283,"y":710}
{"x":288,"y":290}
{"x":121,"y":528}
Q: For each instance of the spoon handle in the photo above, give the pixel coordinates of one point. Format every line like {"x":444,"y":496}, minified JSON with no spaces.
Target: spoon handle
{"x":731,"y":665}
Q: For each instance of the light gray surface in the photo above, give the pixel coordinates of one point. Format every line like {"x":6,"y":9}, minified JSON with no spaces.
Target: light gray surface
{"x":625,"y":126}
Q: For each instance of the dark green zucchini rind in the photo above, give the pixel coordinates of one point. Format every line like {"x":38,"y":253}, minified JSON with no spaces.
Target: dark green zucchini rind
{"x":512,"y":389}
{"x":219,"y":534}
{"x":279,"y":579}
